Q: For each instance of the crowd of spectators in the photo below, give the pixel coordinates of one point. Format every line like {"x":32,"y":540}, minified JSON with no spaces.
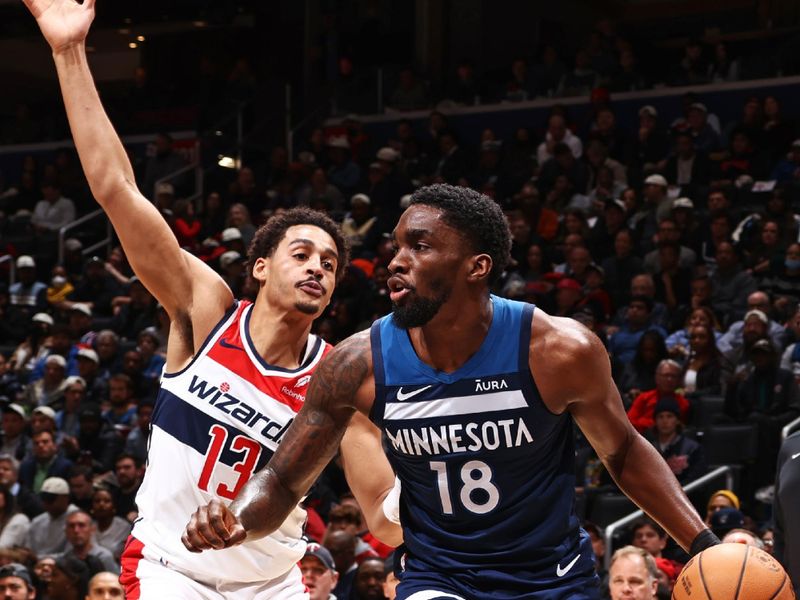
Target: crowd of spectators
{"x":677,"y":243}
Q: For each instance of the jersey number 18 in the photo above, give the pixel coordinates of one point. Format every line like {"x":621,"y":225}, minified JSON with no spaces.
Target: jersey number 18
{"x":481,"y":503}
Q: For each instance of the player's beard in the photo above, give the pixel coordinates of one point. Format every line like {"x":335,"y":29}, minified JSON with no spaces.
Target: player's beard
{"x":306,"y":308}
{"x":418,"y":310}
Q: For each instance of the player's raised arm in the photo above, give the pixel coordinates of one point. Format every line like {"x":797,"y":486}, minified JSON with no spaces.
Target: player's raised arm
{"x":371,"y":478}
{"x":341,"y":382}
{"x":593,"y":400}
{"x":169,"y":274}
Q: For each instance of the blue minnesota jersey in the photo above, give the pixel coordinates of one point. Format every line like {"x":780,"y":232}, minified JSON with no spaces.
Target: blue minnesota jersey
{"x":487,"y":470}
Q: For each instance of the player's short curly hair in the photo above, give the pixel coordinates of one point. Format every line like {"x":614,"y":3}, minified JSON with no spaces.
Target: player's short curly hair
{"x":270,"y":234}
{"x":479,"y":219}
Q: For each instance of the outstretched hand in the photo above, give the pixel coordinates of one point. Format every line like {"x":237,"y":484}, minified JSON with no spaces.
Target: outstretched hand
{"x":213,"y":526}
{"x":64,"y":23}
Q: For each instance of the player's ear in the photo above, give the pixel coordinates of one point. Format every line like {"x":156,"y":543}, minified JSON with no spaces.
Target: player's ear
{"x":480,"y":267}
{"x":260,"y":268}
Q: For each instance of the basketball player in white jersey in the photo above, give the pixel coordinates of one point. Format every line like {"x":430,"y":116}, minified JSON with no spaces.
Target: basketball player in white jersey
{"x":236,"y":372}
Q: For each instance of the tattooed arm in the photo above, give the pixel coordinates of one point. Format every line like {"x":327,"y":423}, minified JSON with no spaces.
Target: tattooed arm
{"x":341,"y":384}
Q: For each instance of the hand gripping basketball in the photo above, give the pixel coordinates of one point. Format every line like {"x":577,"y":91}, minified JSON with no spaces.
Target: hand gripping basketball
{"x":213,"y":526}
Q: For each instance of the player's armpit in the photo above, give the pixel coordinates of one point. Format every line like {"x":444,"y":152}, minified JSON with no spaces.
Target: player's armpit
{"x":370,"y":477}
{"x":337,"y":387}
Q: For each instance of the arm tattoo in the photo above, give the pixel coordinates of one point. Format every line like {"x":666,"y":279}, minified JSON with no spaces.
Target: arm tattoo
{"x":311,"y":441}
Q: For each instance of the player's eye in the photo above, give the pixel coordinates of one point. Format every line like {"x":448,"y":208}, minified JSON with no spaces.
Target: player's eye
{"x":301,"y":255}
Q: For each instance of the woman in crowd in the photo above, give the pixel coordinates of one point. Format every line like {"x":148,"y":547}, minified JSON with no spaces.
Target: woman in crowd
{"x":639,"y":375}
{"x":112,"y":531}
{"x":678,"y":342}
{"x":702,"y":373}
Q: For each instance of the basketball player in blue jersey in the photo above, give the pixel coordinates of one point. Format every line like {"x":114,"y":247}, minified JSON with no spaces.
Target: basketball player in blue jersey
{"x":236,"y":371}
{"x":476,"y":396}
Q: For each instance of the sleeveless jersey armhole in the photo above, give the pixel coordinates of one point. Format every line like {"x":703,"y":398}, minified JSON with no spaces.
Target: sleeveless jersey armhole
{"x":376,"y":412}
{"x":218,"y":328}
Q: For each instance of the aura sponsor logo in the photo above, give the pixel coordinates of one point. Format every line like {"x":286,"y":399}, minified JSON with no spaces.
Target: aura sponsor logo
{"x":492,"y":385}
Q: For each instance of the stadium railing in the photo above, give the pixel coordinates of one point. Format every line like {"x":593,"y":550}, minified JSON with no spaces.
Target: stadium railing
{"x":725,"y":471}
{"x":92,"y":249}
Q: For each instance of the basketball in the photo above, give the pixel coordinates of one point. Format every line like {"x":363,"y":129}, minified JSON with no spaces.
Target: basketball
{"x":733,"y":572}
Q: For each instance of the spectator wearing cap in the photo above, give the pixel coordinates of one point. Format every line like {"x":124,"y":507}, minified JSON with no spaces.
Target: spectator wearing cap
{"x":80,"y":531}
{"x":684,"y":456}
{"x":16,"y":582}
{"x":319,"y":572}
{"x":44,"y":462}
{"x":689,"y":166}
{"x":50,"y":388}
{"x":27,"y":296}
{"x":46,"y":535}
{"x":53,"y":211}
{"x":720,"y":499}
{"x":97,"y":289}
{"x":16,"y":442}
{"x":89,"y":370}
{"x":668,"y":380}
{"x":80,"y":323}
{"x":731,"y":285}
{"x":657,"y":205}
{"x":733,"y":339}
{"x":232,"y":268}
{"x":61,"y":344}
{"x":231,"y":239}
{"x":769,"y":397}
{"x":67,"y":417}
{"x":650,"y":146}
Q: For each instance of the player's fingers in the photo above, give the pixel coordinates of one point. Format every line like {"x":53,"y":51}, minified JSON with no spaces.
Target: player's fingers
{"x":207,"y":530}
{"x":191,"y":537}
{"x":237,"y":535}
{"x":217,"y":513}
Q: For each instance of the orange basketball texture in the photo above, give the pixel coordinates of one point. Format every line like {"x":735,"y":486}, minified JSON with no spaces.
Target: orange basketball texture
{"x":733,"y":572}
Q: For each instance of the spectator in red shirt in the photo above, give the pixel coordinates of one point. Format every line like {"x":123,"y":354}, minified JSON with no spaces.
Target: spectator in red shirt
{"x":668,"y":379}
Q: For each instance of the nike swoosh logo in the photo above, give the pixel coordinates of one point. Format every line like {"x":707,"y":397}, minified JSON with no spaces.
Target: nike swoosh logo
{"x":561,"y":572}
{"x":793,"y":455}
{"x":225,"y":344}
{"x":401,"y":396}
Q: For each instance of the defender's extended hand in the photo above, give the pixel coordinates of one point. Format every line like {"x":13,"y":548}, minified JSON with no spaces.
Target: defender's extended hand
{"x":64,"y":23}
{"x":213,"y":526}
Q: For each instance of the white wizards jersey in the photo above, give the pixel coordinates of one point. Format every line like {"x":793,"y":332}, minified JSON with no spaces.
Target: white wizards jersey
{"x":215,"y":423}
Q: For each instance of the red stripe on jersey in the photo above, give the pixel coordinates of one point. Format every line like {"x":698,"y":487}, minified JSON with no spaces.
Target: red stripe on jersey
{"x":130,"y":564}
{"x":229,"y":352}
